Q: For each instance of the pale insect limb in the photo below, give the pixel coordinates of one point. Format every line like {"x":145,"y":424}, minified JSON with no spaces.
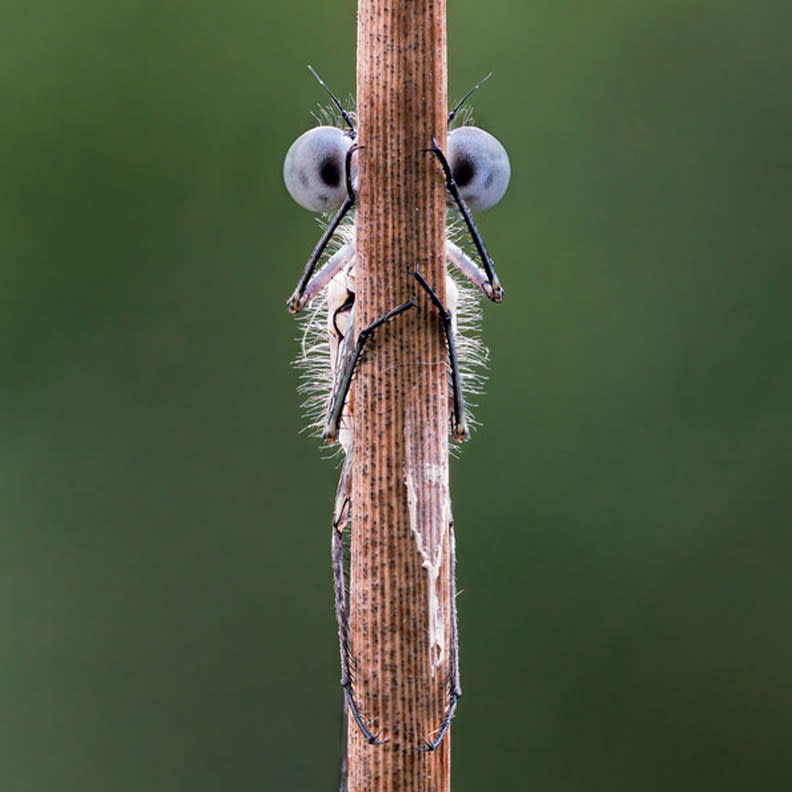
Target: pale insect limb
{"x":468,"y":268}
{"x":340,"y":518}
{"x":451,"y":186}
{"x":338,"y":261}
{"x":464,"y":99}
{"x":454,"y":686}
{"x":341,"y":389}
{"x":458,"y":421}
{"x":295,"y":303}
{"x":344,"y":114}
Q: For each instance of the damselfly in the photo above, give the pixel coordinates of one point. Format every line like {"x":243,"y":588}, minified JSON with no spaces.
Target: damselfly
{"x":320,"y":173}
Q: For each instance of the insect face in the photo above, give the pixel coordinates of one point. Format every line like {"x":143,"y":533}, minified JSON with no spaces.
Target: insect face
{"x":314,"y":168}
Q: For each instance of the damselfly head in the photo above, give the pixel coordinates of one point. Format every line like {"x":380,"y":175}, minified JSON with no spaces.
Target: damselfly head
{"x":480,"y":166}
{"x":314,"y":168}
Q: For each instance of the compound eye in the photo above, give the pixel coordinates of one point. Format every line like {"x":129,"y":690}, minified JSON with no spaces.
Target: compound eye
{"x":314,"y":169}
{"x":480,"y":166}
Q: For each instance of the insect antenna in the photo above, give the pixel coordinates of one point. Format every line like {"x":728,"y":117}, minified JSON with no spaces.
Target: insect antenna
{"x":464,"y":99}
{"x":343,"y":112}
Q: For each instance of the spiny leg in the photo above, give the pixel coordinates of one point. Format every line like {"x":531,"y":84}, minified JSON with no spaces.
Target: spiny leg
{"x":344,"y":640}
{"x":458,"y":421}
{"x":341,"y":388}
{"x":340,"y":519}
{"x":496,"y":289}
{"x":297,"y":302}
{"x":341,"y":326}
{"x":454,"y":687}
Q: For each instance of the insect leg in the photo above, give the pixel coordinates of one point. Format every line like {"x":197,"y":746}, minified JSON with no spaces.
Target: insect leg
{"x":454,"y":687}
{"x":341,"y":387}
{"x":340,"y":519}
{"x":451,"y":185}
{"x":295,"y":303}
{"x":468,"y":268}
{"x":458,"y":421}
{"x":334,"y":265}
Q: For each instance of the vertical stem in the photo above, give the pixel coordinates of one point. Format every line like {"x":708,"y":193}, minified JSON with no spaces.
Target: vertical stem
{"x":401,"y":535}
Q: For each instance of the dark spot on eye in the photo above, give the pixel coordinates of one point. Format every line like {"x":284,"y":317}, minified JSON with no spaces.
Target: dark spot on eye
{"x":464,"y":171}
{"x":303,"y":177}
{"x":329,"y":172}
{"x":488,"y":180}
{"x":322,"y":198}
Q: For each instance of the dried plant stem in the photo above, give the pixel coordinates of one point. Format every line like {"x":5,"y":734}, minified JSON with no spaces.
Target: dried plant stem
{"x":401,"y":522}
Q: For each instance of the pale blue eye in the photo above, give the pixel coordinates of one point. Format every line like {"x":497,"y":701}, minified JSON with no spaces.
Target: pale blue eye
{"x":480,"y":166}
{"x":314,"y":169}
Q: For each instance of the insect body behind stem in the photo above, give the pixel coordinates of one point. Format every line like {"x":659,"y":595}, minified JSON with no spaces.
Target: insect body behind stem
{"x":328,"y":343}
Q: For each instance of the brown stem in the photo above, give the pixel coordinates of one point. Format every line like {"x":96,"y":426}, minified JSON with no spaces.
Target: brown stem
{"x":400,"y":609}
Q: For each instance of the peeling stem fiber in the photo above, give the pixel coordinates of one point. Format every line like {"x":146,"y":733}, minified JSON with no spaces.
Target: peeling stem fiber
{"x":401,"y":533}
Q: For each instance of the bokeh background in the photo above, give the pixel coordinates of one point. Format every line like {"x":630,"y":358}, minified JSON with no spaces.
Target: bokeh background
{"x":623,"y":516}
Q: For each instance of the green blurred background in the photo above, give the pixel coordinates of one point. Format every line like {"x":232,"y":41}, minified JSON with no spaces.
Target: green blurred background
{"x":622,"y":517}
